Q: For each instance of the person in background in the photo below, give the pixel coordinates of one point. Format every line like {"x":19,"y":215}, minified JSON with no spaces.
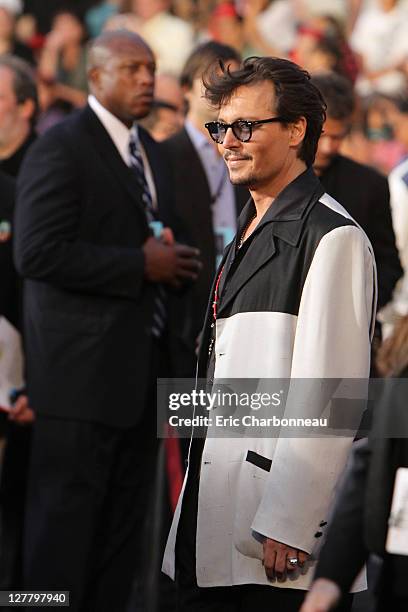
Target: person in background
{"x":269,"y":28}
{"x":92,"y":192}
{"x":15,"y":425}
{"x":18,"y":112}
{"x":362,"y":513}
{"x":170,"y":38}
{"x":97,"y":16}
{"x":44,"y":11}
{"x":362,"y":190}
{"x":206,"y":201}
{"x":124,"y":21}
{"x":167,"y":115}
{"x":63,"y":58}
{"x":225,"y":27}
{"x":379,"y":37}
{"x":321,"y":46}
{"x":9,"y":9}
{"x":397,"y":118}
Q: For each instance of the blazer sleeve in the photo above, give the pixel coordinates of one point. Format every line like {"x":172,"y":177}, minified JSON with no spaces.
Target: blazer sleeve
{"x":47,"y":246}
{"x":332,"y":346}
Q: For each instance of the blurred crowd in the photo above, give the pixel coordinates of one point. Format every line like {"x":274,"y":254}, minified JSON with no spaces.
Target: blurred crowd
{"x":357,"y":54}
{"x":363,"y":40}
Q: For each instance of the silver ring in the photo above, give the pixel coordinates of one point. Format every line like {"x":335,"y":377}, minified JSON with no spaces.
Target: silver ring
{"x":293,"y":561}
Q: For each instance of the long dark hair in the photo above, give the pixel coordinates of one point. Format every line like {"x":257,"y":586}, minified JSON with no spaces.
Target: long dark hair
{"x":295,"y":94}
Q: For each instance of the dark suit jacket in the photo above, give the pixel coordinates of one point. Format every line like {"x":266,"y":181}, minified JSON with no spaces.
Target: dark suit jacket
{"x":365,"y":195}
{"x":9,"y":293}
{"x":79,"y":229}
{"x":193,"y":206}
{"x":360,"y":522}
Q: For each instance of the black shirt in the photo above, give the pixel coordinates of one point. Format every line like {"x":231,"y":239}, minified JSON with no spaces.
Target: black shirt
{"x":11,"y":165}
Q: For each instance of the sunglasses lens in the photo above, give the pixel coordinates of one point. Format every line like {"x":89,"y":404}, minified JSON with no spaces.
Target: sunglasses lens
{"x":242,"y":130}
{"x":216,"y":130}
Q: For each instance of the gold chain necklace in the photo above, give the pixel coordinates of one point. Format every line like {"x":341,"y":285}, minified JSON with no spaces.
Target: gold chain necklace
{"x":246,"y":228}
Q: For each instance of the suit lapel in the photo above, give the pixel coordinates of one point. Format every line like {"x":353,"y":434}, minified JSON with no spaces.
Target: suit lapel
{"x":284,"y":219}
{"x":261,"y":249}
{"x":112,"y":159}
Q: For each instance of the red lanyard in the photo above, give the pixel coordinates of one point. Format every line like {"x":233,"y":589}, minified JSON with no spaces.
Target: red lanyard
{"x":216,"y":296}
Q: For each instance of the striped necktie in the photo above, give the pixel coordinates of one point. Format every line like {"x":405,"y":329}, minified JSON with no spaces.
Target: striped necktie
{"x":136,"y":163}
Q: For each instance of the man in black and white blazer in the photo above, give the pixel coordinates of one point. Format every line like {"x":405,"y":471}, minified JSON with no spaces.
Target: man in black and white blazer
{"x":294,"y":299}
{"x":95,"y":278}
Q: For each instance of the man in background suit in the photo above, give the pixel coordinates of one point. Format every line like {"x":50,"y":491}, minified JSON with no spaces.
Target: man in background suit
{"x":14,"y":462}
{"x":89,"y":193}
{"x":362,"y":514}
{"x":18,"y":111}
{"x":363,"y":192}
{"x":205,"y":199}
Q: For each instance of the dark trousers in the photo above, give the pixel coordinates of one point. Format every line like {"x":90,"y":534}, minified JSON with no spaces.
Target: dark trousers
{"x":12,"y":502}
{"x":243,"y":598}
{"x":88,"y":492}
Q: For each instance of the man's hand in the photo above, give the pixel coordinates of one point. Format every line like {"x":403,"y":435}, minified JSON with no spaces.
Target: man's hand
{"x":322,"y":597}
{"x":21,"y":412}
{"x":170,"y":263}
{"x":276,"y":559}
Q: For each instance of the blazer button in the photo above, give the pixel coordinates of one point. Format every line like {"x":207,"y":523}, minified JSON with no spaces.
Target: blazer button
{"x":323,"y":523}
{"x":318,"y":534}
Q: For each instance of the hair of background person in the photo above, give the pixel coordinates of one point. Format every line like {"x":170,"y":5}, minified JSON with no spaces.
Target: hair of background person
{"x":24,"y":82}
{"x":338,"y":94}
{"x":400,"y":102}
{"x":295,"y":94}
{"x":203,"y":57}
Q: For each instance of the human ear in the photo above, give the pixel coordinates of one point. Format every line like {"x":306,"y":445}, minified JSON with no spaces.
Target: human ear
{"x":298,"y":131}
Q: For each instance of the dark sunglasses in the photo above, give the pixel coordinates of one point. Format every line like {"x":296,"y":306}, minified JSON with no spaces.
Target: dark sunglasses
{"x":241,"y":129}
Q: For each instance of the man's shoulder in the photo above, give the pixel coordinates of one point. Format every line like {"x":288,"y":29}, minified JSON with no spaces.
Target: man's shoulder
{"x":354,"y":170}
{"x":326,"y":216}
{"x":69,"y":129}
{"x":400,"y":172}
{"x":179,"y":142}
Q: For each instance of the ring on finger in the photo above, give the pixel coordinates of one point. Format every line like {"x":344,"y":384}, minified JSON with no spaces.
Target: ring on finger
{"x":293,"y":561}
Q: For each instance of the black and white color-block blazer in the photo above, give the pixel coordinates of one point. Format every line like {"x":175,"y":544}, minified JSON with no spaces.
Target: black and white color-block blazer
{"x":300,"y":305}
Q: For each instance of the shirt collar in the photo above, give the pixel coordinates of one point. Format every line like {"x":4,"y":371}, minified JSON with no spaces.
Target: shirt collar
{"x":290,"y":207}
{"x":118,"y":131}
{"x":198,"y":139}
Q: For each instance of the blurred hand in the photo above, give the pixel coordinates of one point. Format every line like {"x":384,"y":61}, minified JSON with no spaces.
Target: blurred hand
{"x":167,"y":236}
{"x":322,"y":597}
{"x":170,"y":263}
{"x":276,"y":559}
{"x":21,"y":412}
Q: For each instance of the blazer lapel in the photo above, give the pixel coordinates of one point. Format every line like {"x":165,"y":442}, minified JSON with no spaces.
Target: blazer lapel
{"x":111,"y":158}
{"x":284,"y":219}
{"x":260,"y":251}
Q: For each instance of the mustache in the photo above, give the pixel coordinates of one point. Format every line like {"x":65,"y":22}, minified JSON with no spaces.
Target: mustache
{"x":228,"y":154}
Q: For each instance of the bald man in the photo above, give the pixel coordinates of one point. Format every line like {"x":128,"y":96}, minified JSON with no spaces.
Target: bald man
{"x":92,"y":201}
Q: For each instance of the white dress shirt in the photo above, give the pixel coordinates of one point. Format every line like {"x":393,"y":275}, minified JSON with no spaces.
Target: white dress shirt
{"x":120,"y":136}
